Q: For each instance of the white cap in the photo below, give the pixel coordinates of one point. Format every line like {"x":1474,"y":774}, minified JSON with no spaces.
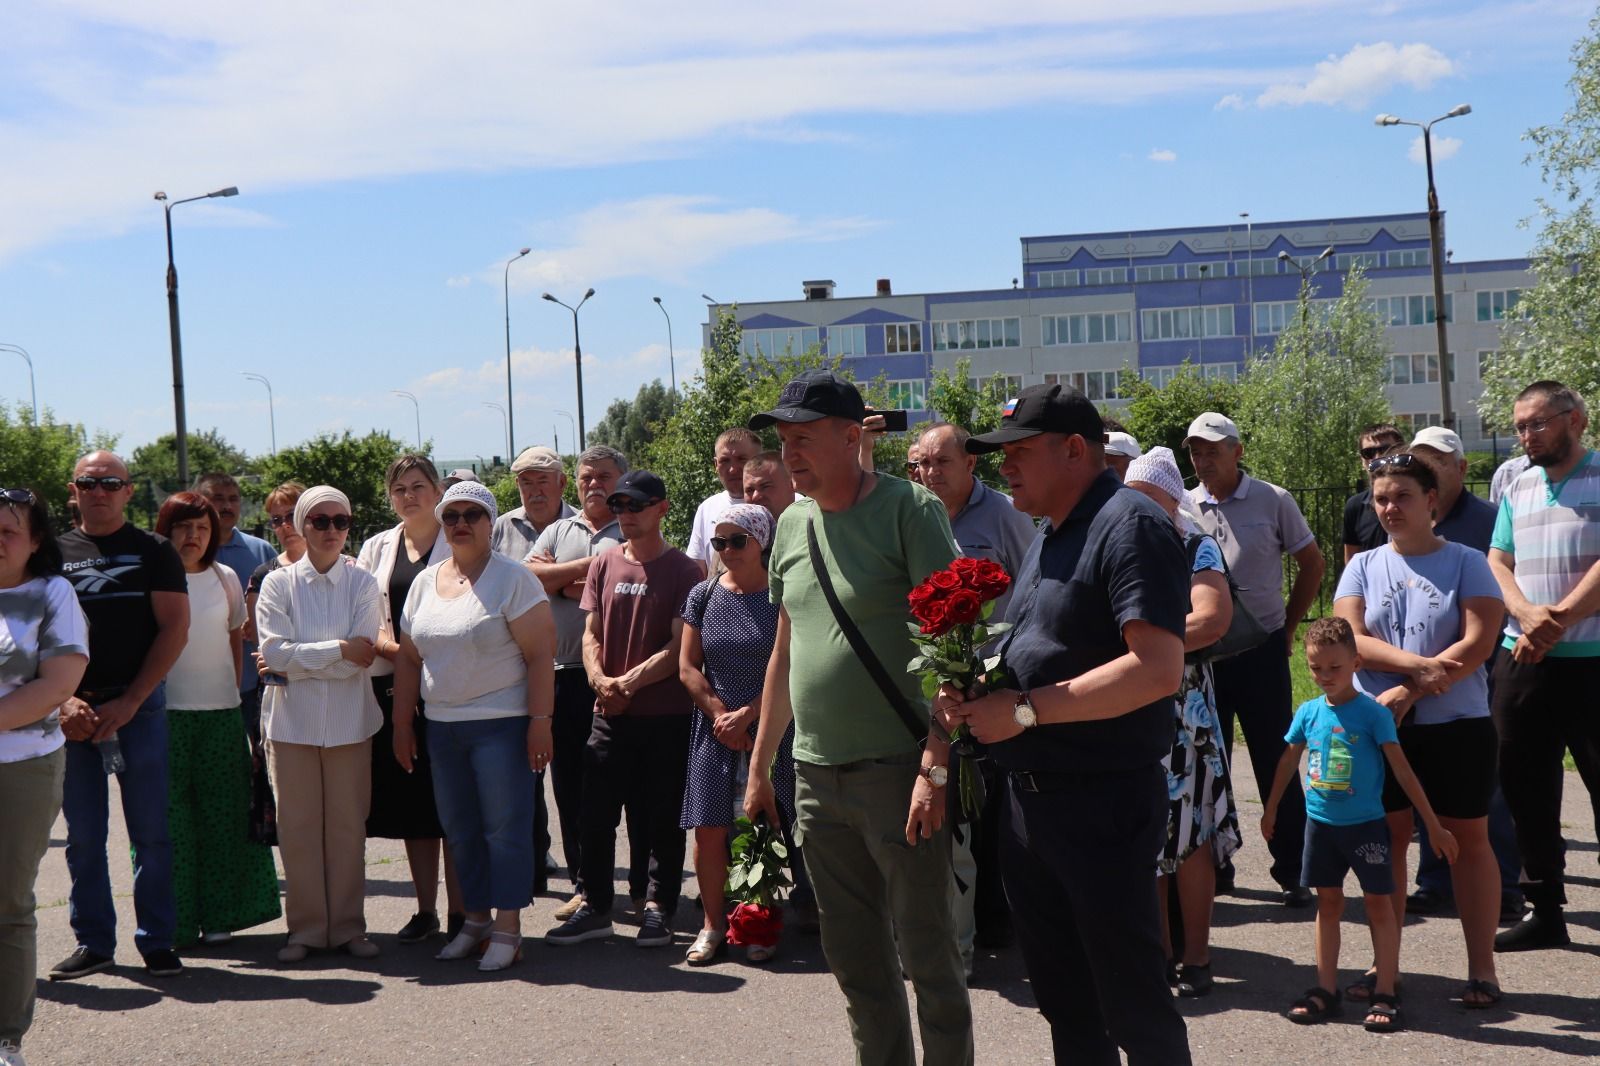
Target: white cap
{"x":1213,"y":427}
{"x":1122,"y":444}
{"x":1439,"y":439}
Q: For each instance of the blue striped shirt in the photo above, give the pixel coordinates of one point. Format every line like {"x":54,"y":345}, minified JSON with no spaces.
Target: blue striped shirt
{"x":1554,"y":533}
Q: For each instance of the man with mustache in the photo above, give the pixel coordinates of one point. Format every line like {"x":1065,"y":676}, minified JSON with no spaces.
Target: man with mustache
{"x":541,"y":482}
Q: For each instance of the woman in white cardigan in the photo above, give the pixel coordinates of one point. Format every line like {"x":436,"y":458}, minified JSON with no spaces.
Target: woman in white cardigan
{"x":402,"y":803}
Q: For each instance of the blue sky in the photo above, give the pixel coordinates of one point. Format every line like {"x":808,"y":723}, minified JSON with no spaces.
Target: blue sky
{"x":392,"y":157}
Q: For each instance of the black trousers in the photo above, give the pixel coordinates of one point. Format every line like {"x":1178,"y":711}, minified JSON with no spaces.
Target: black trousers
{"x":1541,"y":710}
{"x":991,"y":913}
{"x":1079,"y":865}
{"x":1255,"y":687}
{"x":640,"y":763}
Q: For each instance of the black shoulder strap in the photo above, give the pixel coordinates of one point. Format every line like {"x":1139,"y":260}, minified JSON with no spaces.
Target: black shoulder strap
{"x":914,"y":723}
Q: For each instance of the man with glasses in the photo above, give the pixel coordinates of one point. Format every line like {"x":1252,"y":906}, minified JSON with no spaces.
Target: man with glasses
{"x":241,"y":553}
{"x":1361,"y":529}
{"x":132,"y":588}
{"x":639,"y":746}
{"x":914,"y":463}
{"x":1546,"y":556}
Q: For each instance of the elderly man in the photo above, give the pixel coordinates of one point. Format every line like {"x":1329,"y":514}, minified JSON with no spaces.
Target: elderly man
{"x":241,"y":553}
{"x":843,"y":562}
{"x":1096,"y":653}
{"x":132,"y":588}
{"x":542,"y":483}
{"x":1257,"y":524}
{"x":734,"y":448}
{"x":767,"y":483}
{"x":1546,"y":557}
{"x":1362,"y":532}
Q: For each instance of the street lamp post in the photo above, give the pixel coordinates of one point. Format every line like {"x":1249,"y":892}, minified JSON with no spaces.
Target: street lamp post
{"x":574,"y":427}
{"x":416,"y":410}
{"x":272,"y":414}
{"x":180,"y":419}
{"x":1305,"y":280}
{"x":506,"y":420}
{"x":1435,"y":251}
{"x":33,"y":392}
{"x":672,"y":360}
{"x":577,"y":357}
{"x":510,"y":410}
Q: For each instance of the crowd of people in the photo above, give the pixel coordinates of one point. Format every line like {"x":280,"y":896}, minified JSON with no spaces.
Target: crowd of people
{"x":420,"y":690}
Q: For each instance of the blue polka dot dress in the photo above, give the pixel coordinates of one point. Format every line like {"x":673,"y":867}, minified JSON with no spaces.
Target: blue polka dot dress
{"x":737,"y":631}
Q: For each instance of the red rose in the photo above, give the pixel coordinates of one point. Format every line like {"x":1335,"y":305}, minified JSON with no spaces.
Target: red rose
{"x":935,"y":618}
{"x":945,"y":580}
{"x":964,"y":607}
{"x":992,"y":581}
{"x":965,"y":565}
{"x":921,"y":595}
{"x":755,"y":925}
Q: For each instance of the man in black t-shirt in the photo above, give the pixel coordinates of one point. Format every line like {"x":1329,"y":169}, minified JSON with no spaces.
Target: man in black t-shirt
{"x":1097,"y":654}
{"x":1361,"y":529}
{"x":132,"y":587}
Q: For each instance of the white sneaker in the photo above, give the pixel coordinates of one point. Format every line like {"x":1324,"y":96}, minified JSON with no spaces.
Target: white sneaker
{"x":11,"y":1055}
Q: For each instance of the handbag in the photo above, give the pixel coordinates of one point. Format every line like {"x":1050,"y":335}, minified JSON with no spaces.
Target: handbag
{"x":1245,"y":631}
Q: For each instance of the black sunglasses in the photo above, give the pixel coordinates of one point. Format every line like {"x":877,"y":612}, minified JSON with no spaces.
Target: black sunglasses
{"x":276,"y":520}
{"x":1373,"y":451}
{"x":110,"y":484}
{"x":17,"y":496}
{"x":736,"y":542}
{"x":1399,"y":462}
{"x":321,"y":522}
{"x":618,"y":504}
{"x":469,"y":516}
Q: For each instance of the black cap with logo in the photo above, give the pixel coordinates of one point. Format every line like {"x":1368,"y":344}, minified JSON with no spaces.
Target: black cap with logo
{"x":1043,"y":409}
{"x":640,"y":485}
{"x":813,"y":395}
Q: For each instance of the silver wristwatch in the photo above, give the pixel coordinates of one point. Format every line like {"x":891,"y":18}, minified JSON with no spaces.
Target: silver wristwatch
{"x":1022,"y":712}
{"x":938,"y":776}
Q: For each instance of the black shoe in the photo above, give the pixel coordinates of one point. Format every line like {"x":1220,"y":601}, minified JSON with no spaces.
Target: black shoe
{"x":806,"y":919}
{"x":585,"y":924}
{"x":1540,"y":929}
{"x":1426,"y":901}
{"x":163,"y":963}
{"x":81,"y":963}
{"x":1297,"y":897}
{"x":422,"y":925}
{"x":655,"y":929}
{"x":1225,"y":876}
{"x":1511,"y":907}
{"x":453,"y":924}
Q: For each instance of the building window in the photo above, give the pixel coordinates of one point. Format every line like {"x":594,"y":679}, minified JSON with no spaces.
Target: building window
{"x":1087,"y":329}
{"x":1408,"y":423}
{"x":1410,"y":310}
{"x":1255,"y":268}
{"x":773,"y":343}
{"x":1010,"y":384}
{"x":1156,"y":272}
{"x":1105,"y":275}
{"x":969,"y":333}
{"x":1364,"y":260}
{"x":900,"y":337}
{"x":1095,"y":384}
{"x":1182,"y":323}
{"x":1421,"y":368}
{"x":847,"y":340}
{"x":1410,"y":257}
{"x":1055,"y":279}
{"x":1217,"y":269}
{"x":908,"y":395}
{"x":1278,"y":316}
{"x":1161,"y":376}
{"x":1494,"y":306}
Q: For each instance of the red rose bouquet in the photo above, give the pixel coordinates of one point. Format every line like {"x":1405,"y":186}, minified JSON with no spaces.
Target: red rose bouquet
{"x":952,"y":610}
{"x":757,"y":878}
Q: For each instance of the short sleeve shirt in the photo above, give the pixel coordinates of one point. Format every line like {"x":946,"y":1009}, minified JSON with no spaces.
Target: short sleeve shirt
{"x":1553,"y":531}
{"x":1257,"y":526}
{"x":638,"y":604}
{"x":1470,"y":522}
{"x":515,"y":534}
{"x":1344,"y":757}
{"x":1116,"y":558}
{"x":989,"y":527}
{"x":203,"y":679}
{"x":1362,"y":530}
{"x":114,"y":576}
{"x":705,"y":524}
{"x":569,"y":540}
{"x":39,"y":619}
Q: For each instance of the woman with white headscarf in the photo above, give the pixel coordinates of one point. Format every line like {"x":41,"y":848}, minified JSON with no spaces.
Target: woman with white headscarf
{"x":730,"y":624}
{"x":317,"y":620}
{"x":1202,"y":824}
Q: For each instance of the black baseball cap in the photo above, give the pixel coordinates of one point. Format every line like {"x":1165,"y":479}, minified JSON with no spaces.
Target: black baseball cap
{"x":813,"y":395}
{"x":1043,"y":409}
{"x":640,"y":485}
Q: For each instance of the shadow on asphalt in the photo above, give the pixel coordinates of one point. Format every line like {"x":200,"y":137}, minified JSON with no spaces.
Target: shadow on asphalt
{"x":212,"y":980}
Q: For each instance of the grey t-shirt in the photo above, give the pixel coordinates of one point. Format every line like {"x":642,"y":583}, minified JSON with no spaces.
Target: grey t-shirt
{"x":514,"y":532}
{"x":1257,"y":526}
{"x":989,"y":527}
{"x":568,"y":540}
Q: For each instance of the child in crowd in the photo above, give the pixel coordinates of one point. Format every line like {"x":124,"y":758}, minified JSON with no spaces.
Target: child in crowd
{"x":1350,"y":735}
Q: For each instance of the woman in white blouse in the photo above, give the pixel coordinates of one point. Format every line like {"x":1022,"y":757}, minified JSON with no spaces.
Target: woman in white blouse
{"x":317,"y":620}
{"x":478,"y":642}
{"x":402,"y":803}
{"x":222,"y":880}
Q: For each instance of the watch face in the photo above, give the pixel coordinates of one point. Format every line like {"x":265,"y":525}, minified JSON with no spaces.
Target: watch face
{"x":1024,"y":714}
{"x":937,"y":776}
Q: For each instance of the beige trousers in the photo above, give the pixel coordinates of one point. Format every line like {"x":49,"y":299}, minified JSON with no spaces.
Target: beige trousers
{"x":323,"y":798}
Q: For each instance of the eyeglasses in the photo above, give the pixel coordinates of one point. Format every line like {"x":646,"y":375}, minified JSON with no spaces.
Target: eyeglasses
{"x":736,"y":542}
{"x":109,"y":484}
{"x":1371,"y":452}
{"x":629,"y":504}
{"x":321,"y":522}
{"x":1398,"y":462}
{"x":285,"y":519}
{"x":1538,"y":425}
{"x":469,"y":516}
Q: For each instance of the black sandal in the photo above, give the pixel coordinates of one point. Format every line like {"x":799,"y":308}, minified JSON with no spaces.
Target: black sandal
{"x":1316,"y":1006}
{"x":1383,"y":1006}
{"x":1361,"y":989}
{"x":1487,"y":989}
{"x":1194,"y":981}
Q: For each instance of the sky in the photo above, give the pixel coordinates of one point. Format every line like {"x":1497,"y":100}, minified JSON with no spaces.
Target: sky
{"x":392,"y":157}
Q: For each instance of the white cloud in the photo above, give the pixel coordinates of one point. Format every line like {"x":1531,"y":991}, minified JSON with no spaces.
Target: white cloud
{"x":1231,"y":102}
{"x":1443,"y":148}
{"x":1162,"y":155}
{"x":459,"y":281}
{"x":1361,"y":74}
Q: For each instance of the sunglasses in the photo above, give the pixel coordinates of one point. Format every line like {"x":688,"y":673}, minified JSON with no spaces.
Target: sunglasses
{"x":1373,"y":451}
{"x":469,"y":516}
{"x":321,"y":522}
{"x":1398,"y":462}
{"x":276,"y":520}
{"x":629,"y":504}
{"x":16,"y":496}
{"x":110,"y":484}
{"x":736,"y":542}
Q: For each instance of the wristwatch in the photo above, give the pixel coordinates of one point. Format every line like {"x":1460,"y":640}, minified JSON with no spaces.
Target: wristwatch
{"x":1022,"y":712}
{"x":938,"y":776}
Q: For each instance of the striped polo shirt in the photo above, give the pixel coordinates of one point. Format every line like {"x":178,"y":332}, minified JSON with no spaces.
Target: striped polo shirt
{"x":1553,"y":530}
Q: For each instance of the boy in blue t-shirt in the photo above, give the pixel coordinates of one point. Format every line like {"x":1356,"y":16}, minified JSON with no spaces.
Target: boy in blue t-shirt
{"x":1349,"y":735}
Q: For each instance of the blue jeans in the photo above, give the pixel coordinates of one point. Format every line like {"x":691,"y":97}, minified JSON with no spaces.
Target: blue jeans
{"x":483,"y":787}
{"x":86,"y":803}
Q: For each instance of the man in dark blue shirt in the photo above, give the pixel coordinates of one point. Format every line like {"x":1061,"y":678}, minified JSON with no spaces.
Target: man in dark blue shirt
{"x":1097,"y":654}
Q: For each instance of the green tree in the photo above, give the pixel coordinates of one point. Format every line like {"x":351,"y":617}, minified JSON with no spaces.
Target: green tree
{"x":1551,"y":332}
{"x":157,"y":461}
{"x":1159,"y":417}
{"x":354,"y":465}
{"x":41,"y":459}
{"x":630,"y":425}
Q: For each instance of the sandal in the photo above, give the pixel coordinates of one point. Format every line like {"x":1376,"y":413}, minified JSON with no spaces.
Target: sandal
{"x":760,"y":952}
{"x":1361,"y":989}
{"x":1387,"y":1009}
{"x":1194,"y":981}
{"x":706,"y":947}
{"x":467,"y":941}
{"x":504,"y":949}
{"x":1317,"y":1005}
{"x":1488,"y":990}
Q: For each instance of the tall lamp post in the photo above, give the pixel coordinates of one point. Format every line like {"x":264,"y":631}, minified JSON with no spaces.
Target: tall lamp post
{"x":272,"y":414}
{"x":672,"y":359}
{"x":574,"y":427}
{"x":181,"y":426}
{"x":510,"y":411}
{"x":416,"y":409}
{"x":33,"y":392}
{"x":577,"y":357}
{"x":506,"y":419}
{"x":1305,"y":280}
{"x":1436,"y":251}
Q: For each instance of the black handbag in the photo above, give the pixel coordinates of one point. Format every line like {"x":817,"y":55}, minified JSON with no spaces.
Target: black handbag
{"x":1245,"y":631}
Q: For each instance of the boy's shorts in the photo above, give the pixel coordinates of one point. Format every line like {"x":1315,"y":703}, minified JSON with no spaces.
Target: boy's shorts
{"x":1333,"y":850}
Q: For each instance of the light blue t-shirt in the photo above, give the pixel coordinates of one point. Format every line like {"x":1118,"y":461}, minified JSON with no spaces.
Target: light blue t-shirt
{"x":1344,"y":764}
{"x":1414,"y":602}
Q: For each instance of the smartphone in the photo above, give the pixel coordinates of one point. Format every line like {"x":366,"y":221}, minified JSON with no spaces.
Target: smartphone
{"x":894,"y":421}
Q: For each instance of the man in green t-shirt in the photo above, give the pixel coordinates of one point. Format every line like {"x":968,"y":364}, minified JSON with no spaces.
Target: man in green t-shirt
{"x":858,"y":764}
